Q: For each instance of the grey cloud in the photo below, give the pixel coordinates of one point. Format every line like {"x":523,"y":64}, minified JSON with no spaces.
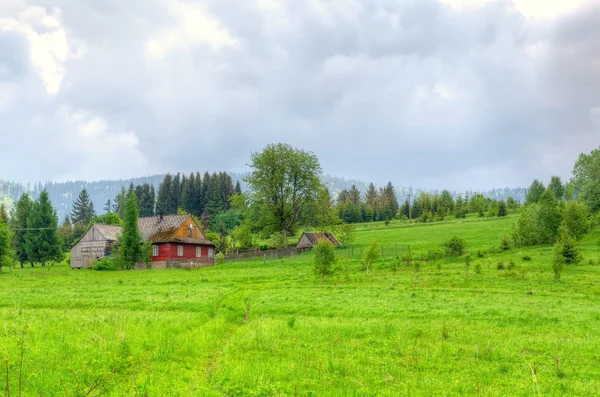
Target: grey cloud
{"x":413,"y":92}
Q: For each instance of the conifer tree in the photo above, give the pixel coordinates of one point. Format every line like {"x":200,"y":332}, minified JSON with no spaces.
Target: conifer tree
{"x":42,"y":243}
{"x":108,"y":207}
{"x":163,"y":195}
{"x":238,"y":188}
{"x":119,"y":203}
{"x":65,"y":233}
{"x":188,"y":193}
{"x":83,"y":209}
{"x":130,"y":241}
{"x":18,"y":223}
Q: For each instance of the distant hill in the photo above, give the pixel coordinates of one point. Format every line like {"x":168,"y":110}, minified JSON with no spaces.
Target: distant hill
{"x":63,"y":194}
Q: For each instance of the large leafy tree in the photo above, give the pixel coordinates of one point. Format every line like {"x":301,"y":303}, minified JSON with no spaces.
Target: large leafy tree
{"x":557,"y":187}
{"x":130,"y":241}
{"x":83,"y":209}
{"x":535,"y":191}
{"x":586,"y":179}
{"x":18,"y":223}
{"x":284,"y":183}
{"x":42,"y":242}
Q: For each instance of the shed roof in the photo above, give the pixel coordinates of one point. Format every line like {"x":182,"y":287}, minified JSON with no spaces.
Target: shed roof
{"x":314,"y":238}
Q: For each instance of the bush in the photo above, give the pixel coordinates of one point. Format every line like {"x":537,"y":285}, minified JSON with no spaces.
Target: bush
{"x":455,"y":246}
{"x":279,"y":240}
{"x":526,"y":258}
{"x":566,"y":248}
{"x":324,"y":257}
{"x":501,"y":265}
{"x":219,"y":258}
{"x":478,"y":268}
{"x":435,"y":254}
{"x":480,"y":253}
{"x":106,"y":264}
{"x":504,"y":243}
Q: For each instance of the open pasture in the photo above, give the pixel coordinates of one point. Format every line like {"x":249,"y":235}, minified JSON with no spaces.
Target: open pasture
{"x":274,"y":329}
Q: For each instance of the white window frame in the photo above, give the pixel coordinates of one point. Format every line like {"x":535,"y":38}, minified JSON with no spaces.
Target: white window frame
{"x":180,"y":250}
{"x":198,"y":252}
{"x":155,"y":250}
{"x":211,"y":252}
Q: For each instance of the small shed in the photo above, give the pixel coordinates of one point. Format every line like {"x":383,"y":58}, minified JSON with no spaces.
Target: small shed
{"x":310,"y":240}
{"x":96,"y":243}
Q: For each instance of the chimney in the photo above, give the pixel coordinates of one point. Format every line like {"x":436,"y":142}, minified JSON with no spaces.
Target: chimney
{"x":160,"y":216}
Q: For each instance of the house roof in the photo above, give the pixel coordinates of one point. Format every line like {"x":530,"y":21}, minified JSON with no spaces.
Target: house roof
{"x":155,"y":229}
{"x":315,"y":237}
{"x":110,"y":232}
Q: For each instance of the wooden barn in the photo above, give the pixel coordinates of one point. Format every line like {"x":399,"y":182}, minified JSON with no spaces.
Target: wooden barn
{"x":175,"y":239}
{"x":98,"y":242}
{"x":310,"y":240}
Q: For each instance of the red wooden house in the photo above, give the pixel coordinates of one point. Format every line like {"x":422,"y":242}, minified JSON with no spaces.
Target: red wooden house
{"x":176,"y":238}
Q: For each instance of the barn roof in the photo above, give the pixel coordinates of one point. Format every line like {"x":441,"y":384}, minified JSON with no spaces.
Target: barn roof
{"x":109,"y":232}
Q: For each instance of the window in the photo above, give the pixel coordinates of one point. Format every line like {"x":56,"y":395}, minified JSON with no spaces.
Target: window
{"x":155,"y":250}
{"x":211,"y":252}
{"x":180,"y":251}
{"x":198,"y":252}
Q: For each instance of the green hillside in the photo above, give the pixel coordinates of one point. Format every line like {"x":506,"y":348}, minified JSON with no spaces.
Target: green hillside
{"x":274,"y":329}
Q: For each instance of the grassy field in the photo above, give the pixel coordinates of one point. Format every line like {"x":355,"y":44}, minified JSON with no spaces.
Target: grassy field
{"x":274,"y":329}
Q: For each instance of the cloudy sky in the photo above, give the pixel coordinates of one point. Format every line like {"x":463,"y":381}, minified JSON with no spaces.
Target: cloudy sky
{"x":430,"y":93}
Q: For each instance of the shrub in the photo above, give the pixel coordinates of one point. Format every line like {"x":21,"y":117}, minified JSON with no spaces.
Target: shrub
{"x":478,"y":268}
{"x":504,"y":243}
{"x":371,"y":255}
{"x":279,"y":240}
{"x":435,"y":254}
{"x":106,"y":264}
{"x":395,"y":264}
{"x":455,"y":246}
{"x":526,"y":258}
{"x":501,"y":265}
{"x":480,"y":253}
{"x":566,"y":248}
{"x":511,"y":265}
{"x":417,"y":266}
{"x":324,"y":257}
{"x":219,"y":258}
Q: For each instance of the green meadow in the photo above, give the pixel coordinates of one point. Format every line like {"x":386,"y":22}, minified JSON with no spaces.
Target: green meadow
{"x":274,"y":329}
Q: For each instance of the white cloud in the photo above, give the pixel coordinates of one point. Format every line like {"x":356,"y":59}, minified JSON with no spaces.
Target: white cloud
{"x":194,"y":26}
{"x":48,"y":45}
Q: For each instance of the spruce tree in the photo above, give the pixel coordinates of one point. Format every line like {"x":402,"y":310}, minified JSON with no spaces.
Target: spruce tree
{"x":174,"y":200}
{"x":108,"y":206}
{"x":163,"y":195}
{"x":42,"y":243}
{"x":83,"y":209}
{"x":18,"y":223}
{"x":238,"y":188}
{"x":197,"y":198}
{"x":119,"y":202}
{"x":187,"y":194}
{"x":130,"y":241}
